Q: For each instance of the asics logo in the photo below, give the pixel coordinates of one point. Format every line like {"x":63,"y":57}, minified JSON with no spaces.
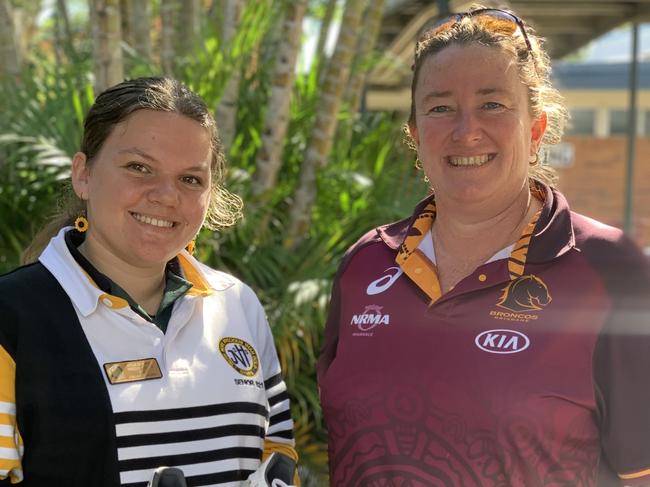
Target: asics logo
{"x":383,"y":283}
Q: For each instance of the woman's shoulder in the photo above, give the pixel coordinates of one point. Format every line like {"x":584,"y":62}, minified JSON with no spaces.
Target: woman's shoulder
{"x":587,"y":229}
{"x":596,"y":238}
{"x":610,"y":250}
{"x":23,"y":277}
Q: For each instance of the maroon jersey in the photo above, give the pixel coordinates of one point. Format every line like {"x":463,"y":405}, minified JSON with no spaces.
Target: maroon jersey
{"x":532,"y":371}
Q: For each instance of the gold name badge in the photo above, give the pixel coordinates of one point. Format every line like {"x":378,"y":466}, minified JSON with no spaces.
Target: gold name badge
{"x":132,"y":370}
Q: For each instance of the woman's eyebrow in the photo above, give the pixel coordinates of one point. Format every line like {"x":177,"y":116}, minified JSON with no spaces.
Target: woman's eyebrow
{"x":138,"y":152}
{"x":491,"y":91}
{"x":436,"y":94}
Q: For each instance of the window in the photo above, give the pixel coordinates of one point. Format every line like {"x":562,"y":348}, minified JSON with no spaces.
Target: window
{"x":618,"y":122}
{"x":581,"y":122}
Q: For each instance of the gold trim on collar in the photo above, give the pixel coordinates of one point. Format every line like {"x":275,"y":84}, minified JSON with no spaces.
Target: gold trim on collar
{"x":415,"y":264}
{"x":200,"y":286}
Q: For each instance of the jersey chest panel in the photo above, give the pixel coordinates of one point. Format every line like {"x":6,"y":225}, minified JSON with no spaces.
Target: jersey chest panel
{"x":208,"y":355}
{"x":480,"y":388}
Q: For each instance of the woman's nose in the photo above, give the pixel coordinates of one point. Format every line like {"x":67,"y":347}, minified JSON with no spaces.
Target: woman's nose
{"x":164,"y":192}
{"x":467,"y":128}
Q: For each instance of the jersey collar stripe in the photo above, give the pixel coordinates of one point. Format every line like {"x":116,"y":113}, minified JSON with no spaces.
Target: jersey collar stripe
{"x":200,"y":286}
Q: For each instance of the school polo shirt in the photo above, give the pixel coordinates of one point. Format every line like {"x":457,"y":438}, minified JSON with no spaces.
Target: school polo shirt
{"x":217,"y":403}
{"x":533,"y":370}
{"x":175,"y":285}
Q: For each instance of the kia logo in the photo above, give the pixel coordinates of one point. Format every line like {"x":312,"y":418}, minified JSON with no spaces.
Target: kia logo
{"x":502,"y":341}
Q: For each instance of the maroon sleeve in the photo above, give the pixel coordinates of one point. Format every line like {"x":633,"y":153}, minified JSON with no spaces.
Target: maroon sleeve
{"x":331,"y":338}
{"x":622,"y":359}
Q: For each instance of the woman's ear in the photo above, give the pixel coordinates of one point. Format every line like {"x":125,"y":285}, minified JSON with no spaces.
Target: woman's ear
{"x":413,"y":132}
{"x":80,"y":175}
{"x":537,"y":132}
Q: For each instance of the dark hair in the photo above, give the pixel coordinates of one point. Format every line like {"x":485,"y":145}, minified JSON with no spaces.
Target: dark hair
{"x":113,"y":106}
{"x":533,"y":65}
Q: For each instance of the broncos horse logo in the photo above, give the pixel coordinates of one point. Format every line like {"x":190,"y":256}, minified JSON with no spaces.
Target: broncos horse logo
{"x":527,"y":293}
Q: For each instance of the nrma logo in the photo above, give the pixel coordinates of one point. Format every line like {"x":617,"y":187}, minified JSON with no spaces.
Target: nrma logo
{"x":502,"y":341}
{"x":371,"y":317}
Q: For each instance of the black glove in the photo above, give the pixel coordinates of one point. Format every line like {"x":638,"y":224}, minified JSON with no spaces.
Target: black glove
{"x":168,"y":477}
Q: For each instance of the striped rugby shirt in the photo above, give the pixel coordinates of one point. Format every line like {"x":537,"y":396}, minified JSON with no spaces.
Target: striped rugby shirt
{"x":219,"y":404}
{"x":532,"y":371}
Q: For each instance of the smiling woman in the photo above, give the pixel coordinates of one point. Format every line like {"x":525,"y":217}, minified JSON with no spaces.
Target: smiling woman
{"x":510,"y":344}
{"x":119,"y":352}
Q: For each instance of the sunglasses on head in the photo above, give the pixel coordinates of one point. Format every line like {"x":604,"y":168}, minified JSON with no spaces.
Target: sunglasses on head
{"x":495,"y":19}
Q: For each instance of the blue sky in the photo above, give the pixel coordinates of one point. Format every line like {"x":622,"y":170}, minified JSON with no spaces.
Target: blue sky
{"x":615,"y":46}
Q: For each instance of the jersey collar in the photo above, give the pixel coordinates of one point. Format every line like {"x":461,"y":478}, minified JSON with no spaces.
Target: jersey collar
{"x":548,"y":235}
{"x":552,"y":236}
{"x":86,"y":294}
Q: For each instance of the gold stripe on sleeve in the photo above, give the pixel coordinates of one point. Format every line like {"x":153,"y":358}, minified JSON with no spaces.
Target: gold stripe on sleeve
{"x":634,"y":475}
{"x":7,"y":377}
{"x":10,"y":465}
{"x":7,"y":442}
{"x":7,"y":419}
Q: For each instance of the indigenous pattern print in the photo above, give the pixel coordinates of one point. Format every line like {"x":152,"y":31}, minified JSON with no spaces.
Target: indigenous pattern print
{"x":526,"y":373}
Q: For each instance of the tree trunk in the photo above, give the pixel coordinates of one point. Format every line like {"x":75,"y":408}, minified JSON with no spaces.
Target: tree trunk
{"x":127,"y":15}
{"x":269,"y":156}
{"x":168,"y":9}
{"x":24,"y":14}
{"x":215,"y":16}
{"x":320,"y":143}
{"x":227,"y":110}
{"x":365,"y":48}
{"x":107,"y":51}
{"x":142,"y":28}
{"x":326,"y":22}
{"x":10,"y":57}
{"x":66,"y":37}
{"x":189,"y":27}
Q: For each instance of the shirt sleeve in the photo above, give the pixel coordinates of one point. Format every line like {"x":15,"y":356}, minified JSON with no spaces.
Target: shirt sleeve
{"x":11,"y":446}
{"x":331,"y":337}
{"x":280,"y":429}
{"x":622,"y":363}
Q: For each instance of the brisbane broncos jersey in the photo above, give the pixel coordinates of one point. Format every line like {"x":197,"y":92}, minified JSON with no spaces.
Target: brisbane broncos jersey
{"x":531,"y":371}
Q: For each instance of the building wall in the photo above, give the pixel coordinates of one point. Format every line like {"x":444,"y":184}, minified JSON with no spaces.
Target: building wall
{"x":595,"y":183}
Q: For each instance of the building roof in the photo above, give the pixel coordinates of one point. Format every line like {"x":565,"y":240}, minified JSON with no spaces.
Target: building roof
{"x":567,"y":25}
{"x":599,"y":76}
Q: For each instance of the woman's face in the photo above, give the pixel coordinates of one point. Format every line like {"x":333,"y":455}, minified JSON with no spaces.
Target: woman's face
{"x":148,"y":189}
{"x":473,"y":129}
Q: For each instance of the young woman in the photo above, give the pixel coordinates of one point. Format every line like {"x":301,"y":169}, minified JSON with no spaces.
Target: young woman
{"x":119,"y":352}
{"x":494,"y":338}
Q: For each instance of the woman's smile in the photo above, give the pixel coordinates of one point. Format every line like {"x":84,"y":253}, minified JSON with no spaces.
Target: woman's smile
{"x":153,"y":221}
{"x":470,"y":161}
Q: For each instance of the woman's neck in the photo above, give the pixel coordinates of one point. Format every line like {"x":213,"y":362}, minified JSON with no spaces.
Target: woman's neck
{"x":144,"y":284}
{"x":464,"y":239}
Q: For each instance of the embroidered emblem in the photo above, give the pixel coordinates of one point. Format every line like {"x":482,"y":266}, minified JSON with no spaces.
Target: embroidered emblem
{"x":527,"y":293}
{"x":240,"y":355}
